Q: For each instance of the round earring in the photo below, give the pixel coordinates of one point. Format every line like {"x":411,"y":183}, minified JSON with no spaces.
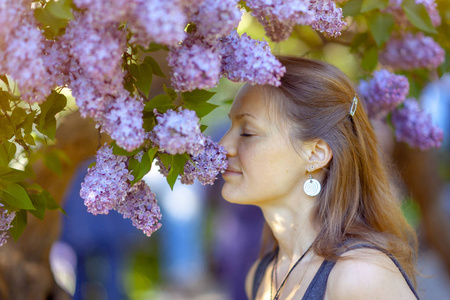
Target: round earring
{"x":312,"y":186}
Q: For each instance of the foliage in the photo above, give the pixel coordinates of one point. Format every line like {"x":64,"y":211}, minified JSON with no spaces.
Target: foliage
{"x":103,"y":51}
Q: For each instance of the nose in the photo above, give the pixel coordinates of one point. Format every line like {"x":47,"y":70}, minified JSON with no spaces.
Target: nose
{"x":227,"y":142}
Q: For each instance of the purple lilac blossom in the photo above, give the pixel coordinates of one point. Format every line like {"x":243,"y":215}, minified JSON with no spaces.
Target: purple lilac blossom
{"x":396,"y":10}
{"x":412,"y":52}
{"x":105,"y":183}
{"x":102,"y":12}
{"x":383,"y":92}
{"x":162,"y":168}
{"x":328,"y":17}
{"x":216,"y":18}
{"x":160,"y":21}
{"x":122,"y":120}
{"x":21,"y":50}
{"x":207,"y":165}
{"x":415,"y":127}
{"x":195,"y":64}
{"x":279,"y":16}
{"x":248,"y":60}
{"x":6,"y":218}
{"x":178,"y":132}
{"x":141,"y":207}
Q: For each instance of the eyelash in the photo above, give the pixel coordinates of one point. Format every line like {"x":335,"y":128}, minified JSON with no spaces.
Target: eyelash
{"x":246,"y":134}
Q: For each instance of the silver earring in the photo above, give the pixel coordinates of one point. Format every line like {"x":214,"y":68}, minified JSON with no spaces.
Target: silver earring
{"x":312,"y":186}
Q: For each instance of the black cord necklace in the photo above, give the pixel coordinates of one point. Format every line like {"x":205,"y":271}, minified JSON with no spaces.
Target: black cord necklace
{"x":278,"y":293}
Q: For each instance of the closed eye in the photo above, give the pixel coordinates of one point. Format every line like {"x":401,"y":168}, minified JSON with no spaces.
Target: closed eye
{"x":246,"y":134}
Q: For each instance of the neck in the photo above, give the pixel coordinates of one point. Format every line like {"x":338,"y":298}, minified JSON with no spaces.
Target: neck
{"x":291,"y":227}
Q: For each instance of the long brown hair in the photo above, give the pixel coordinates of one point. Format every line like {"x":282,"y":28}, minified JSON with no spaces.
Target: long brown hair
{"x":357,"y":201}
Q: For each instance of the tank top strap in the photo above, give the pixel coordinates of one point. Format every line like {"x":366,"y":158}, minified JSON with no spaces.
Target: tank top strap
{"x":261,"y":270}
{"x":317,"y":287}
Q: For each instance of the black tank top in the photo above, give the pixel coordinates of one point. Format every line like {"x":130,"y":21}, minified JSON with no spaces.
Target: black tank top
{"x":317,"y":287}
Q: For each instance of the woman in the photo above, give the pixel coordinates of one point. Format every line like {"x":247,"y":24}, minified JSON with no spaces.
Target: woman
{"x":305,"y":153}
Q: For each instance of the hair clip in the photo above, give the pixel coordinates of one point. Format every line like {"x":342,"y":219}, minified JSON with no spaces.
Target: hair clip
{"x":354,"y":106}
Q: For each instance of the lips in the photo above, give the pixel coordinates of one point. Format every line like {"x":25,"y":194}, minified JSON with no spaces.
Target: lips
{"x":232,"y":170}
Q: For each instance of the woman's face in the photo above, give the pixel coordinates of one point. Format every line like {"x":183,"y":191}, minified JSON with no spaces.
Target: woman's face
{"x":263,"y":165}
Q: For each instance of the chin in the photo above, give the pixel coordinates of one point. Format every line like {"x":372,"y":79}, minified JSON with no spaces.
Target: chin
{"x":234,"y":196}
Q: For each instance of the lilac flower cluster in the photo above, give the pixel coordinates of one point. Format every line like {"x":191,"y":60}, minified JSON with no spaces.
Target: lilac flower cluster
{"x":6,"y":218}
{"x":412,"y":52}
{"x":141,"y":207}
{"x":415,"y":127}
{"x":160,"y":21}
{"x":106,"y":183}
{"x":178,"y":132}
{"x":383,"y":92}
{"x":245,"y":59}
{"x":207,"y":165}
{"x":395,"y":9}
{"x":96,"y":79}
{"x":21,"y":50}
{"x":216,"y":18}
{"x":328,"y":17}
{"x":195,"y":64}
{"x":279,"y":17}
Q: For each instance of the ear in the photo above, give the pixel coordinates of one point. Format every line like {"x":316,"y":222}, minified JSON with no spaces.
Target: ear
{"x":320,"y":154}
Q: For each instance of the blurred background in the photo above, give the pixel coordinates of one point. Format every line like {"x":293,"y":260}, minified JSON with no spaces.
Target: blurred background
{"x":206,"y":245}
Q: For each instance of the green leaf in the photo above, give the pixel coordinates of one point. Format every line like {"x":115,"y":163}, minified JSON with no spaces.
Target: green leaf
{"x":52,"y":26}
{"x":381,"y":26}
{"x":60,"y":9}
{"x":48,"y":128}
{"x":143,"y":74}
{"x":119,"y":151}
{"x":151,"y":154}
{"x":155,"y":47}
{"x":352,"y":8}
{"x":51,"y":203}
{"x":29,"y":139}
{"x":6,"y":130}
{"x":197,"y":96}
{"x":370,"y":59}
{"x":203,"y":127}
{"x":54,"y":103}
{"x":13,"y":175}
{"x":28,"y":123}
{"x":175,"y":165}
{"x":16,"y":196}
{"x":4,"y":101}
{"x":201,"y":108}
{"x":369,"y":5}
{"x":7,"y":152}
{"x":161,"y":102}
{"x":418,"y":16}
{"x":170,"y":92}
{"x":52,"y":161}
{"x":4,"y":79}
{"x":139,"y":169}
{"x":40,"y":203}
{"x":18,"y":224}
{"x":155,"y":66}
{"x":18,"y":115}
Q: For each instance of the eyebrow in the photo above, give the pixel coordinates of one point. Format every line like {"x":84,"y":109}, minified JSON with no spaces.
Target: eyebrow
{"x":240,"y":116}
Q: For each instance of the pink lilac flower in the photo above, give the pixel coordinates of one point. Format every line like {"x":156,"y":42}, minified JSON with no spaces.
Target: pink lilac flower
{"x":216,"y":18}
{"x":106,"y":183}
{"x":141,"y":207}
{"x":412,"y":52}
{"x":279,"y":16}
{"x":6,"y":218}
{"x":160,"y":21}
{"x":248,"y":60}
{"x":207,"y":165}
{"x":178,"y":132}
{"x":21,"y":50}
{"x":415,"y":127}
{"x":396,"y":10}
{"x":195,"y":64}
{"x":384,"y":92}
{"x":102,"y":12}
{"x":122,"y":120}
{"x":328,"y":17}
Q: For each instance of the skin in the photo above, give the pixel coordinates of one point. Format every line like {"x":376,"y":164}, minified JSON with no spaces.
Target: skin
{"x":266,"y":169}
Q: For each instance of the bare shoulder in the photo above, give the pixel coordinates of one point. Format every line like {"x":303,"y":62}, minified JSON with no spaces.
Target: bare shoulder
{"x":249,"y":279}
{"x":367,"y":274}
